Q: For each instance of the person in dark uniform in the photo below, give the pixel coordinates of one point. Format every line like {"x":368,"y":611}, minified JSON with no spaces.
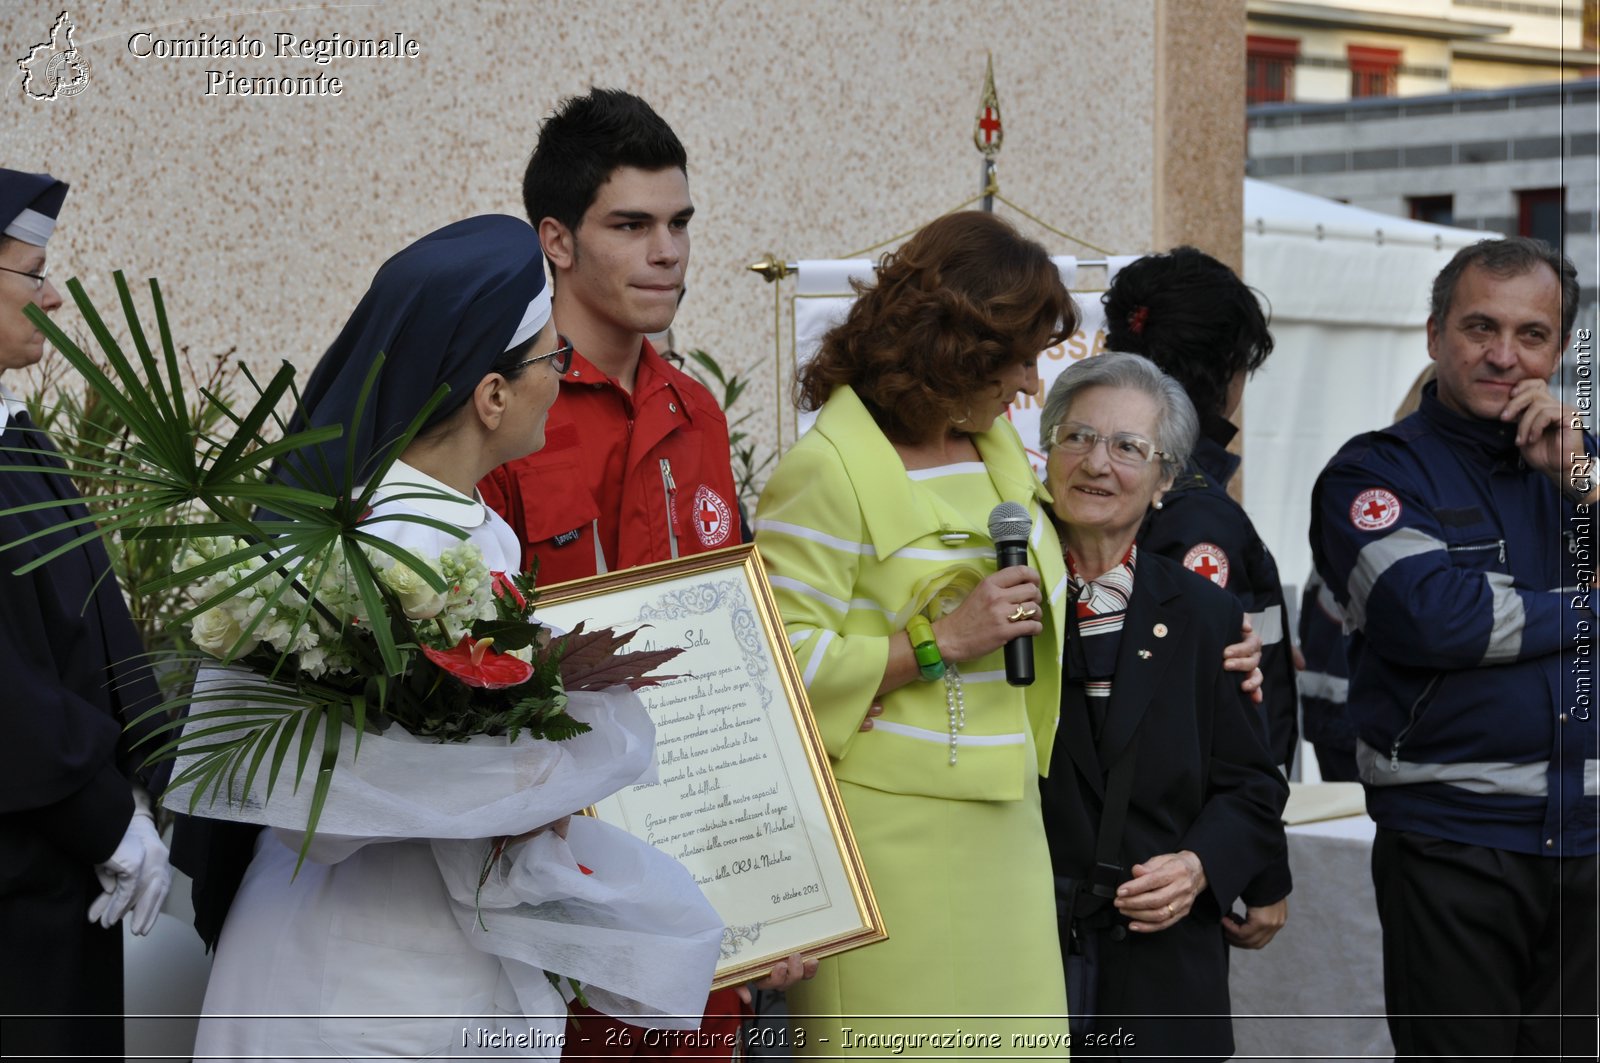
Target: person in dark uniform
{"x":1325,"y":682}
{"x":78,"y":845}
{"x":1194,"y":317}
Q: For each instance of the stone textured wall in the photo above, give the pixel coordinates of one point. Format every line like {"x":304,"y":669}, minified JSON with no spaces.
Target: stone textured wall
{"x":813,"y":130}
{"x":1198,"y":131}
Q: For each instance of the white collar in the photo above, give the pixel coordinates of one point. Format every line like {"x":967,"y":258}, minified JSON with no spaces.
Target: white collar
{"x":443,"y":503}
{"x":10,"y":406}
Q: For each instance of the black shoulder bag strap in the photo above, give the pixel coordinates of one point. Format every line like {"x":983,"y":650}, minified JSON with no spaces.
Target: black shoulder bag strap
{"x":1087,"y":903}
{"x":1108,"y":874}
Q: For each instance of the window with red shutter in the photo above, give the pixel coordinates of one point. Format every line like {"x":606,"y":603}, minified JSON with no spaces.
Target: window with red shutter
{"x":1269,"y":68}
{"x":1373,"y":71}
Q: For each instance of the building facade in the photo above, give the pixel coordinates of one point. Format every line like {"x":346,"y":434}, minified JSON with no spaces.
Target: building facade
{"x":1353,"y":49}
{"x":1512,"y":161}
{"x":1480,"y":114}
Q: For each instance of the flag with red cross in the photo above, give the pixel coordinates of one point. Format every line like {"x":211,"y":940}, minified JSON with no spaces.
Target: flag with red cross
{"x":989,"y":133}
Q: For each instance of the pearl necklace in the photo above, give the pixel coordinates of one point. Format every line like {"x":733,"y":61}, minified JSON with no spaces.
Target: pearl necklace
{"x":955,"y":700}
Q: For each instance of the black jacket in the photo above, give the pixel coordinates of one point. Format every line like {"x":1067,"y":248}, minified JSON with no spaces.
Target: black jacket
{"x":75,"y":679}
{"x":1202,"y":527}
{"x":1202,"y":782}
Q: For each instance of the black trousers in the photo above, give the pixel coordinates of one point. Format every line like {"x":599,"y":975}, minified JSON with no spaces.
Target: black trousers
{"x":1486,"y":953}
{"x":60,"y":975}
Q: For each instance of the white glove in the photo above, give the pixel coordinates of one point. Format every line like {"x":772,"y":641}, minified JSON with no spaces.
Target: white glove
{"x":137,"y":876}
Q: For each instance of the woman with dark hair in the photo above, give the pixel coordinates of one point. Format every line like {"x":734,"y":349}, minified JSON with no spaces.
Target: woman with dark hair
{"x":1202,"y":326}
{"x":1162,"y":803}
{"x":874,"y":528}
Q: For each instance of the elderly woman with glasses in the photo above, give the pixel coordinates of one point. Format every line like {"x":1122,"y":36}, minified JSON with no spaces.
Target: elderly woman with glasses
{"x":1162,"y":803}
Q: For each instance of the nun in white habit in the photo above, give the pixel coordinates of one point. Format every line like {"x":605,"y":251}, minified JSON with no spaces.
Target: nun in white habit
{"x":384,"y":944}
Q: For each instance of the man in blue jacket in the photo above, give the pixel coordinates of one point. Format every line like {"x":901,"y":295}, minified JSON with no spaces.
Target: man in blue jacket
{"x":1459,"y":543}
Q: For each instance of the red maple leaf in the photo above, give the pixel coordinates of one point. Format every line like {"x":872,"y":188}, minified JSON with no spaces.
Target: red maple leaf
{"x":590,"y":660}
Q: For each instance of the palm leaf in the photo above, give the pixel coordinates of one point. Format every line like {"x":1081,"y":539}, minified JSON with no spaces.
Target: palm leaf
{"x":168,"y":351}
{"x":166,"y":471}
{"x":163,"y":401}
{"x":319,"y":796}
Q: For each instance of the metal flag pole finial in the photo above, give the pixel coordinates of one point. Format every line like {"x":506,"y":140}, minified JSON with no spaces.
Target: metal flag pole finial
{"x":771,"y":267}
{"x":988,"y":135}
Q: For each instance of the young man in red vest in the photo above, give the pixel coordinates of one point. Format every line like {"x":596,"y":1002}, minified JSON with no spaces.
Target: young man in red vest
{"x":635,"y":467}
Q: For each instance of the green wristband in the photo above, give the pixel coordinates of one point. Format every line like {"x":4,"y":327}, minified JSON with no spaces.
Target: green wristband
{"x":930,"y":665}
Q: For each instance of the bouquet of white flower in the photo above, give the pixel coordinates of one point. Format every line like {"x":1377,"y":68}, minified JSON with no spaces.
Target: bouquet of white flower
{"x":324,"y":624}
{"x":416,"y":688}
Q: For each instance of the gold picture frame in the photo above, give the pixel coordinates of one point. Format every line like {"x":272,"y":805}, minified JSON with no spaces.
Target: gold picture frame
{"x":746,"y":799}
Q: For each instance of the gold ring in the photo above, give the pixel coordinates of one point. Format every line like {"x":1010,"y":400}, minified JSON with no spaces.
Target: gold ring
{"x":1024,"y":612}
{"x":1170,"y":911}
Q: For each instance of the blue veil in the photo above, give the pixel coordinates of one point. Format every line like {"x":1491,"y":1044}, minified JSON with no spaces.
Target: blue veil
{"x":441,"y":311}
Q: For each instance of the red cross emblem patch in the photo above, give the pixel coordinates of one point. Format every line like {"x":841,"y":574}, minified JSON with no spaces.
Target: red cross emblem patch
{"x":713,"y":520}
{"x":1208,"y":560}
{"x":1374,"y":509}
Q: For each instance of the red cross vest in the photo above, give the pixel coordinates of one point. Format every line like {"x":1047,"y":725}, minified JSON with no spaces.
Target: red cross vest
{"x":623,"y":480}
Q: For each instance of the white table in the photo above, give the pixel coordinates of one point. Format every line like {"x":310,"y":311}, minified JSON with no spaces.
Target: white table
{"x":1317,"y":990}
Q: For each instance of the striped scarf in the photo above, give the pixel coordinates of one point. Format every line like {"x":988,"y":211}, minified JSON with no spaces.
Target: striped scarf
{"x":1100,"y":606}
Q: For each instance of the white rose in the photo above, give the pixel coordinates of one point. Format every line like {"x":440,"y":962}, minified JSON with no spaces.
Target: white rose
{"x":216,"y":631}
{"x":276,"y":632}
{"x":314,"y":662}
{"x":420,"y":601}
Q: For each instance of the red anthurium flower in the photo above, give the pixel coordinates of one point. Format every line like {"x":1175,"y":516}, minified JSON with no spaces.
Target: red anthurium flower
{"x":474,"y":663}
{"x":504,"y":588}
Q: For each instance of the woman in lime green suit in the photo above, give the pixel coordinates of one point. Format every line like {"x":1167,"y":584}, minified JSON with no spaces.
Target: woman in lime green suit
{"x":874,"y":530}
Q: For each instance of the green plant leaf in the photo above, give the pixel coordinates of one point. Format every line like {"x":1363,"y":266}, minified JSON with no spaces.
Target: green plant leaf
{"x":319,"y":796}
{"x":249,"y":426}
{"x":280,"y":751}
{"x":507,"y":634}
{"x":158,"y":390}
{"x":372,"y":597}
{"x":134,"y":409}
{"x":169,"y":352}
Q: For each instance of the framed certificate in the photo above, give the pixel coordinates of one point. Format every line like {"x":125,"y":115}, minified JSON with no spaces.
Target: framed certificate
{"x":745,"y":800}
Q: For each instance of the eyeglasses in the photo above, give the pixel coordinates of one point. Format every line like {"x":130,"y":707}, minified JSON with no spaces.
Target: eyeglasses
{"x":561,"y":357}
{"x":1124,"y":448}
{"x":37,"y":278}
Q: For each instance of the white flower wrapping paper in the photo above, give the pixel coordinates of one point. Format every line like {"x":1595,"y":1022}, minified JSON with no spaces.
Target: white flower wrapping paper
{"x":636,"y":932}
{"x":402,"y":786}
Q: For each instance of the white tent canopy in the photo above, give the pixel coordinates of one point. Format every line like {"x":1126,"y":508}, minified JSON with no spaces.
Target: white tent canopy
{"x":1348,"y":290}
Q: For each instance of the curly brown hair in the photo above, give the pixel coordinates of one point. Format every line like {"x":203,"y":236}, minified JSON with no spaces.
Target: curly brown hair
{"x":965,"y":297}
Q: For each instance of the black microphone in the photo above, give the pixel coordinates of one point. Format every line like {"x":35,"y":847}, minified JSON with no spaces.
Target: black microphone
{"x":1009,"y":526}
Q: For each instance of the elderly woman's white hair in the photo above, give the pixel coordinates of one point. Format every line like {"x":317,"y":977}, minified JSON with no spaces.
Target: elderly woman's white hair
{"x":1177,"y":426}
